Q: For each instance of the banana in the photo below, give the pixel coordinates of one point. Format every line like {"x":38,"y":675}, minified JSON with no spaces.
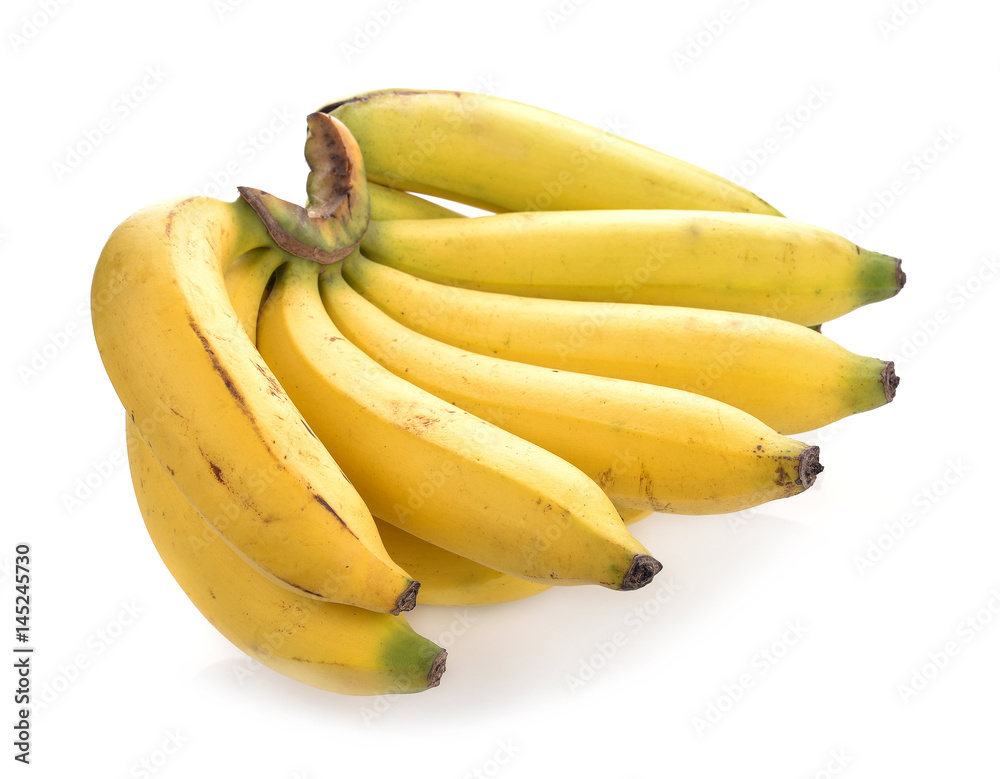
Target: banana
{"x":246,"y":283}
{"x":650,"y":448}
{"x":215,"y":417}
{"x":446,"y":579}
{"x":502,"y":155}
{"x":389,"y":203}
{"x":790,"y":377}
{"x":331,"y":646}
{"x":435,"y":471}
{"x":746,"y":263}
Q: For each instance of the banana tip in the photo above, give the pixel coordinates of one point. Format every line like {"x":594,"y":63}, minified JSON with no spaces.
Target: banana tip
{"x":437,"y":669}
{"x":889,"y":381}
{"x":641,"y":572}
{"x":809,"y":466}
{"x":407,"y":599}
{"x":900,"y":275}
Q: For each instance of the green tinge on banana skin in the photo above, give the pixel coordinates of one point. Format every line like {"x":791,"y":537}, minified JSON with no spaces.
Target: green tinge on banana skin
{"x":881,"y":276}
{"x":413,"y":675}
{"x":873,"y":386}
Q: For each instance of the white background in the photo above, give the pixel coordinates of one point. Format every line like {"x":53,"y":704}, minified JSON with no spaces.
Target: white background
{"x":130,"y":672}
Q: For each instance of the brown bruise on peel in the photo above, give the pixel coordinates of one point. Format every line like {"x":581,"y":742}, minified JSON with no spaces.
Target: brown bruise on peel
{"x":173,"y":213}
{"x":328,"y":507}
{"x":221,"y":370}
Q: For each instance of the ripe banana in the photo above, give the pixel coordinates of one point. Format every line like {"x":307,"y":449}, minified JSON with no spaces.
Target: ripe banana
{"x":389,"y":203}
{"x":649,"y":447}
{"x":746,"y":263}
{"x":790,"y":377}
{"x":433,"y":470}
{"x":331,"y":646}
{"x":446,"y":579}
{"x":502,"y":155}
{"x":246,"y":283}
{"x":215,"y":417}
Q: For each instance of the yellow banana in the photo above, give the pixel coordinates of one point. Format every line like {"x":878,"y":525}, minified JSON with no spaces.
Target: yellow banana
{"x":389,"y":203}
{"x":746,"y":263}
{"x":331,"y":646}
{"x":649,"y":447}
{"x":435,"y":471}
{"x":502,"y":155}
{"x":446,"y":579}
{"x":789,"y":376}
{"x":246,"y":282}
{"x":215,"y":417}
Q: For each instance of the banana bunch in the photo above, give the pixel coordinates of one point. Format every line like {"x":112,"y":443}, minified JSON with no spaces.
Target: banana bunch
{"x":340,"y":410}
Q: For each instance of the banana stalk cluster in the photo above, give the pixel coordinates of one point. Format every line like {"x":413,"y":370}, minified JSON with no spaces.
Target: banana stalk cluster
{"x":338,"y":411}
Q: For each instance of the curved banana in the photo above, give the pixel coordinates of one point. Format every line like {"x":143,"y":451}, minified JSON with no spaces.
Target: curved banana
{"x":214,"y":415}
{"x":502,"y":155}
{"x":790,"y":377}
{"x":389,"y":203}
{"x":331,"y":646}
{"x":446,"y":579}
{"x":649,"y":447}
{"x":246,"y":283}
{"x":746,"y":263}
{"x":436,"y":471}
